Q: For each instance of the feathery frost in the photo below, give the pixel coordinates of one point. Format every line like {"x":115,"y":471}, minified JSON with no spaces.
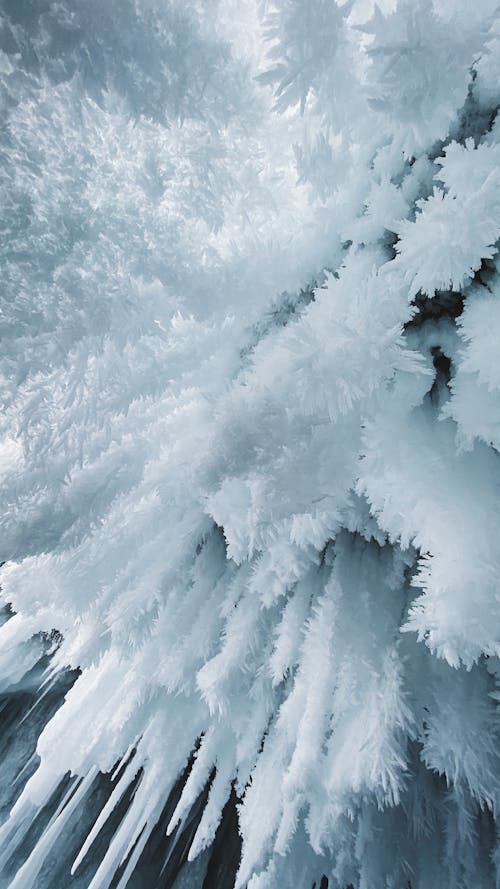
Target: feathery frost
{"x":249,"y":443}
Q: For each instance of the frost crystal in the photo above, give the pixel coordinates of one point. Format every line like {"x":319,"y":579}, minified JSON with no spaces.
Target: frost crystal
{"x":249,"y":444}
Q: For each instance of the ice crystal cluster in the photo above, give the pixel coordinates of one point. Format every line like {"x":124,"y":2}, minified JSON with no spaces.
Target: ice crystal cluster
{"x":249,"y":441}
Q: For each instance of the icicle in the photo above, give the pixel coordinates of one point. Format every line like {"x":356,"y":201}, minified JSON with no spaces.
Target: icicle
{"x":105,"y":812}
{"x":27,"y":874}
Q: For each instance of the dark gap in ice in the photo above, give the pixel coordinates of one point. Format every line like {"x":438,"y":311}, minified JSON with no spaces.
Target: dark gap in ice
{"x":442,"y":366}
{"x":443,"y":304}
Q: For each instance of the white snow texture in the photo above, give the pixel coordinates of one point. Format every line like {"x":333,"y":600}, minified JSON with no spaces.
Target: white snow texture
{"x":250,"y":435}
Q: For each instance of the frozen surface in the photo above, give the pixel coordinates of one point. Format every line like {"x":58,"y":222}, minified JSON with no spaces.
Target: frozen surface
{"x":249,"y":444}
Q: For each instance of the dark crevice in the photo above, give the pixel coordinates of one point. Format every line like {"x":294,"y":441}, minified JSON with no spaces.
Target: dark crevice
{"x":475,"y":119}
{"x":442,"y":365}
{"x":485,"y":273}
{"x":444,"y":304}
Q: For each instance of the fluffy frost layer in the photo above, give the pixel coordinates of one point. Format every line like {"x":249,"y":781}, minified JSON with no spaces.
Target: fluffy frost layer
{"x":251,"y":429}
